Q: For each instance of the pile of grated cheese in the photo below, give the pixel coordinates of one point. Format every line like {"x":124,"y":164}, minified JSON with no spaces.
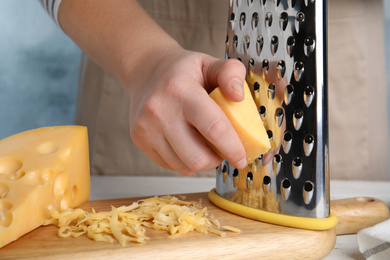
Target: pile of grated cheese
{"x":129,"y":223}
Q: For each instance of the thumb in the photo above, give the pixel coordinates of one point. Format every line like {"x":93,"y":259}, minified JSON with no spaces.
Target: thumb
{"x":228,"y":75}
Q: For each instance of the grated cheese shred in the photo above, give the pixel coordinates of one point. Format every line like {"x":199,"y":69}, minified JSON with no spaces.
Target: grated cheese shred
{"x":129,"y":223}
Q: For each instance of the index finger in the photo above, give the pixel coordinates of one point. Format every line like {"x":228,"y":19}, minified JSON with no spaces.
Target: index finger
{"x":209,"y":119}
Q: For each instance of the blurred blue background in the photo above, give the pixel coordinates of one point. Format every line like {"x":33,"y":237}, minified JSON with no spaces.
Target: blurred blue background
{"x":39,"y":68}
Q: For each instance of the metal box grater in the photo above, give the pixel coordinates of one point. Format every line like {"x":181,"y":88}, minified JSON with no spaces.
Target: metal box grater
{"x":282,"y":43}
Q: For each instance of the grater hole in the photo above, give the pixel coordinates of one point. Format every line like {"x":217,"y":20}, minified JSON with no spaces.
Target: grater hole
{"x":246,"y":42}
{"x":298,"y":114}
{"x":265,"y":65}
{"x":281,"y":69}
{"x":227,"y":43}
{"x":283,"y":20}
{"x":297,"y":167}
{"x":271,"y":91}
{"x":256,"y":86}
{"x":249,"y":181}
{"x":285,"y":189}
{"x":308,"y":95}
{"x":258,"y":163}
{"x":287,"y":137}
{"x":232,"y":17}
{"x":309,"y":139}
{"x":259,"y":44}
{"x":288,"y":93}
{"x":268,"y":19}
{"x":309,"y":186}
{"x":270,"y":135}
{"x":235,"y":178}
{"x":251,"y":65}
{"x":266,"y":180}
{"x":309,"y":45}
{"x":242,"y":19}
{"x":297,"y":120}
{"x":309,"y":90}
{"x":299,"y":67}
{"x":235,"y":41}
{"x":262,"y":112}
{"x":277,"y":2}
{"x":308,"y":191}
{"x":286,"y":184}
{"x":224,"y":168}
{"x":255,"y":20}
{"x":300,"y":17}
{"x":251,"y":62}
{"x":266,"y":183}
{"x":276,"y":163}
{"x":290,"y":45}
{"x":297,"y":161}
{"x":308,"y":144}
{"x":287,"y":140}
{"x":279,"y":116}
{"x":224,"y":171}
{"x":274,"y":44}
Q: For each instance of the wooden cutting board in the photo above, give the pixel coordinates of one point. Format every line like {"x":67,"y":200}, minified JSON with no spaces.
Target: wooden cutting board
{"x":257,"y":240}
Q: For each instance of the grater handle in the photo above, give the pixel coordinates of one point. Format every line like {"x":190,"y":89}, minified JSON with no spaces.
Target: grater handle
{"x":355,"y":214}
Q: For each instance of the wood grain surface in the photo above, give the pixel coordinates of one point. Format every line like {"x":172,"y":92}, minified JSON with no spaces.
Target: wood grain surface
{"x":257,"y":240}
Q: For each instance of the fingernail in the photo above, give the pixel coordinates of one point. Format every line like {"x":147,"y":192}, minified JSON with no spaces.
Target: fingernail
{"x":238,"y":87}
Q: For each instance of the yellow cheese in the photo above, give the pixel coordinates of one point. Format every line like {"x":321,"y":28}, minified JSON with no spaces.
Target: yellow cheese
{"x":38,"y":168}
{"x":130,"y":223}
{"x":270,"y":121}
{"x":246,"y":121}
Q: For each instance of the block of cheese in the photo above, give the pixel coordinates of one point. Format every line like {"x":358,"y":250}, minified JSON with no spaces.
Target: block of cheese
{"x":38,"y":168}
{"x":246,"y":121}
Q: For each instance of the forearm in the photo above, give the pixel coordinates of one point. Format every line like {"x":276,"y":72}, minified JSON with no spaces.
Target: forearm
{"x":117,"y":34}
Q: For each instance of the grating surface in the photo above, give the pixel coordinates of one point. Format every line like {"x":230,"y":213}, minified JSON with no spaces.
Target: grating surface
{"x":282,"y":43}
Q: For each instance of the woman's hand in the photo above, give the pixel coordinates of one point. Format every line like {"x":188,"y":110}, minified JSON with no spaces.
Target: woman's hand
{"x":171,"y":114}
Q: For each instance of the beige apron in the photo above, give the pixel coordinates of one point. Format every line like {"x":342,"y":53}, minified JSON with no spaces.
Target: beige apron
{"x":357,"y":89}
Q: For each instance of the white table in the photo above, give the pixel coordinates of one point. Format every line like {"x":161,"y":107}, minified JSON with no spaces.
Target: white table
{"x":107,"y":187}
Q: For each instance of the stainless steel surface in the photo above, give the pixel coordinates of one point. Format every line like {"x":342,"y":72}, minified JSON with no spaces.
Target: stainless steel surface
{"x":282,"y":43}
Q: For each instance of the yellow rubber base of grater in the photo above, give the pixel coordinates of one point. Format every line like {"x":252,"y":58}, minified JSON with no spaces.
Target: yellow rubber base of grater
{"x":273,"y":218}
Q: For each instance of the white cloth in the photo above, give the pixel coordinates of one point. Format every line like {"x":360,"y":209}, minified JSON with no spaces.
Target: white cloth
{"x":374,"y":242}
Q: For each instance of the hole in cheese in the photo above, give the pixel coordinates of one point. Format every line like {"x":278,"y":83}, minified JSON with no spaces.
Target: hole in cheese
{"x":246,"y":121}
{"x":60,"y":185}
{"x":47,"y":148}
{"x":4,"y":189}
{"x":10,"y":165}
{"x":5,"y":216}
{"x":16,"y":175}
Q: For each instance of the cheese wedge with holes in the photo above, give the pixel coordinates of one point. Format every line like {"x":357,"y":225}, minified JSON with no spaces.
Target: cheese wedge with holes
{"x":246,"y":121}
{"x":38,"y":168}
